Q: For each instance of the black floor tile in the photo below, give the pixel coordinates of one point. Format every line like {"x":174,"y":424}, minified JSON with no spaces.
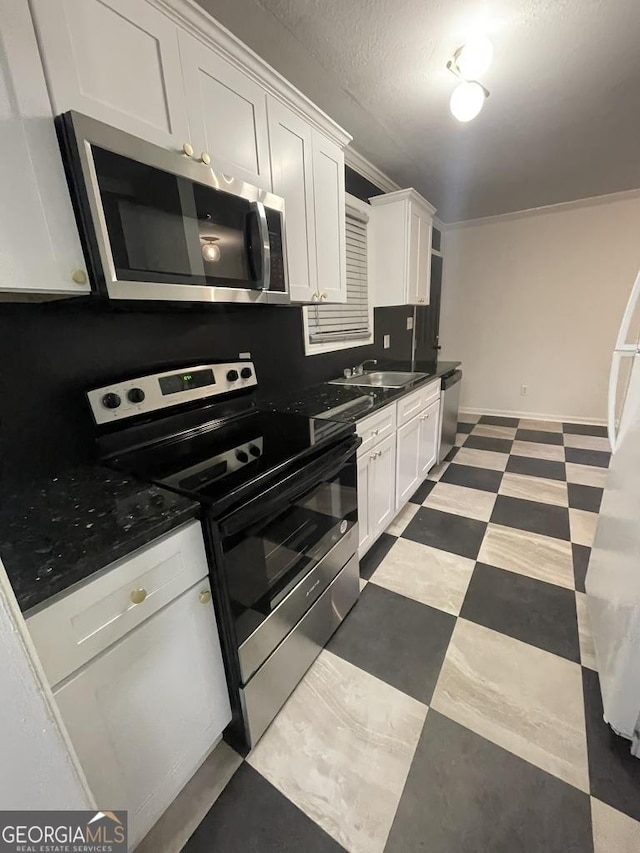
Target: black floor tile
{"x":584,"y":429}
{"x":481,"y":442}
{"x":467,"y":795}
{"x":464,"y":427}
{"x":537,"y":467}
{"x":251,"y":816}
{"x":497,"y":421}
{"x":532,"y":516}
{"x":375,"y":555}
{"x":421,"y":493}
{"x":451,"y":455}
{"x":584,"y":497}
{"x":540,"y":436}
{"x":453,"y":533}
{"x":614,"y":772}
{"x":538,"y":613}
{"x":472,"y":477}
{"x":598,"y":458}
{"x":396,"y":639}
{"x":581,"y":556}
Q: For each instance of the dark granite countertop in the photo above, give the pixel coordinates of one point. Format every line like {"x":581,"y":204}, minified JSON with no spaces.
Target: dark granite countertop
{"x":350,"y":403}
{"x":59,"y":531}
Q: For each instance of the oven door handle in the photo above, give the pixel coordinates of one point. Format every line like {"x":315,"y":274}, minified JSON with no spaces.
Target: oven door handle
{"x":295,"y":486}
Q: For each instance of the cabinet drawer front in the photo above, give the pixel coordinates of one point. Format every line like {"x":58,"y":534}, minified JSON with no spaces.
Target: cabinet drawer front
{"x":414,"y":403}
{"x":79,"y":626}
{"x":376,"y":428}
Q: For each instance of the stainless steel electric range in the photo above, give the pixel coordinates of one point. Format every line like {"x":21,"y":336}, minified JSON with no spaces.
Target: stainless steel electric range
{"x":279,"y":510}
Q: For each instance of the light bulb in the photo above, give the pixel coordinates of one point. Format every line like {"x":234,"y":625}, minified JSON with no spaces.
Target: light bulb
{"x":474,"y":57}
{"x":467,"y":99}
{"x":211,"y":252}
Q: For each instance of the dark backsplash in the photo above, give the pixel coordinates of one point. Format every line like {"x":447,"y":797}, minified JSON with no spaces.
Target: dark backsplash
{"x":51,"y":353}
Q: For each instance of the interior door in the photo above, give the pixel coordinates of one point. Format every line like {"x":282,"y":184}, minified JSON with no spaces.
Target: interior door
{"x":116,"y":61}
{"x":291,"y":147}
{"x":227,"y":114}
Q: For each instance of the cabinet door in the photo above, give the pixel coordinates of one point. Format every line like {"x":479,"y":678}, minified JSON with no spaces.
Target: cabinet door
{"x":365,"y":539}
{"x":291,"y":147}
{"x":408,"y":476}
{"x":144,"y":715}
{"x":39,"y":245}
{"x":382,"y":486}
{"x":329,"y":205}
{"x":115,"y":60}
{"x":429,"y":421}
{"x":227,"y":114}
{"x":419,"y":249}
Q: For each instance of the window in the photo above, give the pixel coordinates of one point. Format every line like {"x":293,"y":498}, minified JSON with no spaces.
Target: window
{"x":334,"y":327}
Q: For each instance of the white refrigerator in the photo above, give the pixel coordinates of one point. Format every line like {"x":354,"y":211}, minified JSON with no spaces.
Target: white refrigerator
{"x":613,"y":577}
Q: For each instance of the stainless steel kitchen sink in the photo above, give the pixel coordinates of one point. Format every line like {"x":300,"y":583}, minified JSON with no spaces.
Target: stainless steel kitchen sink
{"x":381,"y":379}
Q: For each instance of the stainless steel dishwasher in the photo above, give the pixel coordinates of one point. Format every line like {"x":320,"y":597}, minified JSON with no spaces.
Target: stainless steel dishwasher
{"x":449,"y":401}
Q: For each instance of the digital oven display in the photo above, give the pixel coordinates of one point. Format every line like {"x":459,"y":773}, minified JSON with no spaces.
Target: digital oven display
{"x":186,"y":381}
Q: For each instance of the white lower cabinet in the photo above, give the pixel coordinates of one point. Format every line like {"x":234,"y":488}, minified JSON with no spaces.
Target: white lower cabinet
{"x":149,"y":701}
{"x":399,"y":448}
{"x":376,"y":491}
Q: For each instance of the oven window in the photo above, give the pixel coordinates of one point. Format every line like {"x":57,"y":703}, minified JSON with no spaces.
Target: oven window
{"x":165,"y":228}
{"x":263,"y":563}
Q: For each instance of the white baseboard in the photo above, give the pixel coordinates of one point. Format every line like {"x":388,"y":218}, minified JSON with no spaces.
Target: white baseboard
{"x":534,"y":416}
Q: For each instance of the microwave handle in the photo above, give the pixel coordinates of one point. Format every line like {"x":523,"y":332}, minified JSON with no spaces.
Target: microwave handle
{"x":265,"y":247}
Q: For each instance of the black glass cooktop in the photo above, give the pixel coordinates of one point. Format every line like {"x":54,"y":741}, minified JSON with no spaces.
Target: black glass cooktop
{"x":218,"y":465}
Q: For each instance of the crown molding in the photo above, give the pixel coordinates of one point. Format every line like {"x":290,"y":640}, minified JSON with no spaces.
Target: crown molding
{"x":200,"y":24}
{"x":408,"y":194}
{"x":366,"y":168}
{"x":590,"y":201}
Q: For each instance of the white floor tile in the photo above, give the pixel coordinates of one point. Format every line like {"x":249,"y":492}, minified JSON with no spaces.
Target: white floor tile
{"x":613,"y":832}
{"x":583,"y":526}
{"x":587,"y":649}
{"x":471,"y":503}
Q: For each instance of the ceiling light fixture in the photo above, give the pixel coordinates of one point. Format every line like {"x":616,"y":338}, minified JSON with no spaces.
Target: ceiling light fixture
{"x":469,"y":61}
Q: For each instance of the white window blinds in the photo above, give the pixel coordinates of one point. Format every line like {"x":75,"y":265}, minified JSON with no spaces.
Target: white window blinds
{"x":350,"y":320}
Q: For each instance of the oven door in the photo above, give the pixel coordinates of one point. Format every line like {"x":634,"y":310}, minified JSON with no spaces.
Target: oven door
{"x":159,"y":225}
{"x":282,"y":550}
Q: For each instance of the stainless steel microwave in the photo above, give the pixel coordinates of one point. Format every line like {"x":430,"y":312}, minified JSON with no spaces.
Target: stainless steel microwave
{"x":156,"y":224}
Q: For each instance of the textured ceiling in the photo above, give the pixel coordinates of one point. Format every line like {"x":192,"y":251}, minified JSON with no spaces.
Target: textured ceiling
{"x":562,"y":122}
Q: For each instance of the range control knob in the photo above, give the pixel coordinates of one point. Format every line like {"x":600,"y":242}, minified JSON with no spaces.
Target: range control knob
{"x":242,"y":456}
{"x":111,"y":400}
{"x":254,"y":450}
{"x":232,"y":375}
{"x":135,"y":395}
{"x":246,"y":373}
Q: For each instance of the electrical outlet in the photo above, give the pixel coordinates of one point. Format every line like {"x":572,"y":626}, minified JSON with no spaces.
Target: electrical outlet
{"x":523,"y":390}
{"x":386,"y":341}
{"x":409,"y":323}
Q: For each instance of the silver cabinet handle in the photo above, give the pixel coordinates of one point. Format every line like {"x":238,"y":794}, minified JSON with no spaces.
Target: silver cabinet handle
{"x":323,"y":296}
{"x":79,"y":276}
{"x":375,"y":431}
{"x":187,"y":150}
{"x":204,"y":158}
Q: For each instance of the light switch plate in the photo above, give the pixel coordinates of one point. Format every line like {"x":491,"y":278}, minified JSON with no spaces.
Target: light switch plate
{"x":245,"y":356}
{"x":409,"y":323}
{"x":386,"y":341}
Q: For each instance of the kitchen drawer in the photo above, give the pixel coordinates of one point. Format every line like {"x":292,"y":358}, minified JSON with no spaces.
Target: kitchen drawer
{"x":375,"y":428}
{"x":413,"y":404}
{"x":76,"y":628}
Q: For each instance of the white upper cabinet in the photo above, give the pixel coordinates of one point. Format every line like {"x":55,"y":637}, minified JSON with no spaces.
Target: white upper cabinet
{"x":227,"y":113}
{"x":291,"y":144}
{"x":39,"y":247}
{"x":117,"y":61}
{"x":328,"y":183}
{"x":308,"y":172}
{"x":400,"y":235}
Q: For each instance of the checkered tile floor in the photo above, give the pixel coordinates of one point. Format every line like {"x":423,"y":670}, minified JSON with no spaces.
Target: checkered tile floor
{"x":457,"y":709}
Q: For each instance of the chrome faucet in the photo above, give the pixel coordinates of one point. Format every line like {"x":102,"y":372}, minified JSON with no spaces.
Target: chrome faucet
{"x":358,"y":370}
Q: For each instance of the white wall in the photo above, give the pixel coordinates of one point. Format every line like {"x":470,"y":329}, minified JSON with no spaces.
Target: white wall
{"x":536,"y":298}
{"x":37,"y":769}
